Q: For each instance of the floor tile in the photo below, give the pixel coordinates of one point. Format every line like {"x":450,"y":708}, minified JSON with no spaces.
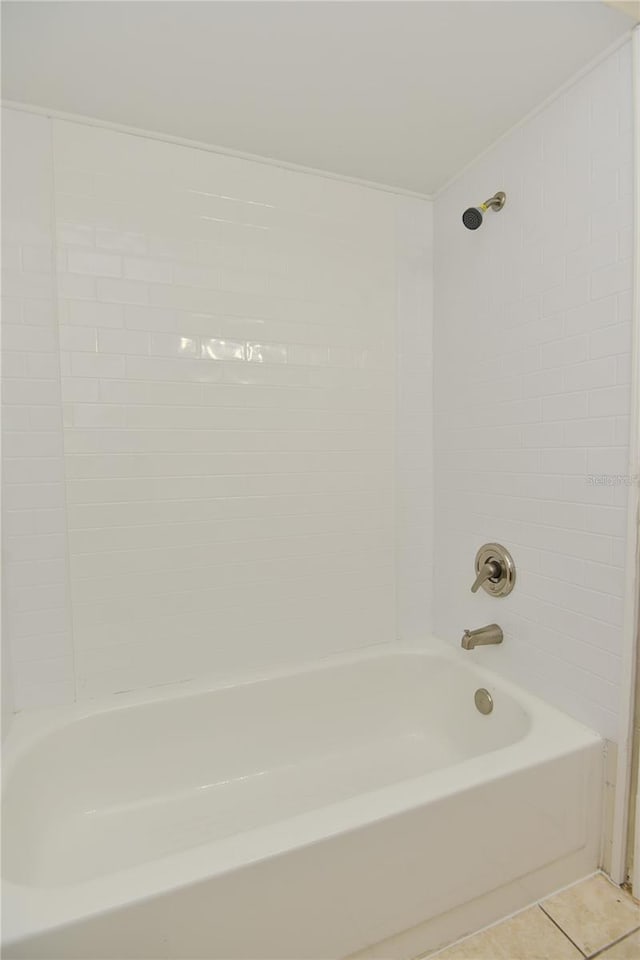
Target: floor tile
{"x":529,"y":935}
{"x":627,"y":949}
{"x":593,"y":913}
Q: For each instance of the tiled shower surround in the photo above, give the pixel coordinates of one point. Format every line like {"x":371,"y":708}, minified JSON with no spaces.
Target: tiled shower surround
{"x":243,"y":357}
{"x":226,"y":335}
{"x":532,"y":343}
{"x":37,"y":651}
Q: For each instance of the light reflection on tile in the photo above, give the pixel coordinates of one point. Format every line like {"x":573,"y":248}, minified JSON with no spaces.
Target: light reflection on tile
{"x":266,"y":353}
{"x":188,"y":347}
{"x":215,"y":349}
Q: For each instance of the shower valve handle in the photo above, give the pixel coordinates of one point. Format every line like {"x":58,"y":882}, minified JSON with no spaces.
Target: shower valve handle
{"x":495,"y":570}
{"x":491,"y":570}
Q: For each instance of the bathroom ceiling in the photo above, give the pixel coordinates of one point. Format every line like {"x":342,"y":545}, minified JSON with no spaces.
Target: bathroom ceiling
{"x":400,"y":93}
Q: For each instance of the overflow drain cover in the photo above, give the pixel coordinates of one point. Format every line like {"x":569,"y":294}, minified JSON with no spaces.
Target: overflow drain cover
{"x":484,"y":700}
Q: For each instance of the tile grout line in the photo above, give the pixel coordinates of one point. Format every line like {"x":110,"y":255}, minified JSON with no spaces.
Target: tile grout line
{"x":563,"y":932}
{"x":613,"y":943}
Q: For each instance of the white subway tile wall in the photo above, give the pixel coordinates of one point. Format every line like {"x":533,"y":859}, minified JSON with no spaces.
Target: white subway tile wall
{"x":227,"y":349}
{"x":232,"y":348}
{"x":414,"y":435}
{"x":532,"y":344}
{"x":36,"y":635}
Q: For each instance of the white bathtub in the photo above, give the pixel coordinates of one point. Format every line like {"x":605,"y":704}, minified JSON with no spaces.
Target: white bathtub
{"x":304,"y":814}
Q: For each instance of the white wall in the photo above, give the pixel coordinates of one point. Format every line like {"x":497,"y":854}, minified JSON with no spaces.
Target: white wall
{"x":230,"y":337}
{"x":227,"y":346}
{"x":414,"y":434}
{"x":35,"y":592}
{"x":227,"y":350}
{"x":532,"y":347}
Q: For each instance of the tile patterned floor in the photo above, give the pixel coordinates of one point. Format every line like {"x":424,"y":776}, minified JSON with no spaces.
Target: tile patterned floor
{"x":594,"y":918}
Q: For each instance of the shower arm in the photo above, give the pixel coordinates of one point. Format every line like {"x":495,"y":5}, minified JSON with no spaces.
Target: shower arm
{"x":496,"y":202}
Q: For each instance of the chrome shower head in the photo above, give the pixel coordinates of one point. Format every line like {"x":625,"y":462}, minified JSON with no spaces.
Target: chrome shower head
{"x":473,"y":216}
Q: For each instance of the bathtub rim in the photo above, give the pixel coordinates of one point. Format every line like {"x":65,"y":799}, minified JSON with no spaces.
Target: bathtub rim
{"x":30,"y":726}
{"x":29,"y":910}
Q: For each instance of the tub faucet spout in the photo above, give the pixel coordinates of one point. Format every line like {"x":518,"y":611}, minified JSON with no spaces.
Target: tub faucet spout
{"x":483,"y":635}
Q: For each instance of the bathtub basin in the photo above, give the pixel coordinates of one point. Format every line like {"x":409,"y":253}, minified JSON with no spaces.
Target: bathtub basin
{"x":301,"y":814}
